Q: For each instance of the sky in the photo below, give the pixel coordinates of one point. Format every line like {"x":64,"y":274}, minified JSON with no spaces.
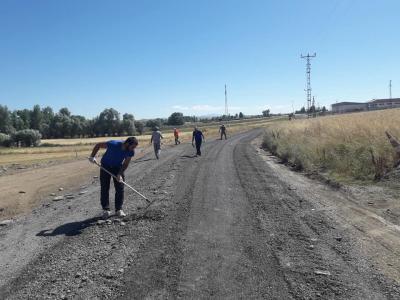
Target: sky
{"x":152,"y":58}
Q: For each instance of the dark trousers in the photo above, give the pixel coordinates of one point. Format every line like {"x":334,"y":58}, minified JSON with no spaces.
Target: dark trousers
{"x":157,"y":147}
{"x":105,"y":179}
{"x":223,"y":134}
{"x":177,"y":140}
{"x":198,"y":146}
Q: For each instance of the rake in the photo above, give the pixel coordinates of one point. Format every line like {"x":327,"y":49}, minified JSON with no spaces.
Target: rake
{"x":127,"y":185}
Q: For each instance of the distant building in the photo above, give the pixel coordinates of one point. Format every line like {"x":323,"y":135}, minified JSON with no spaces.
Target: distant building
{"x":345,"y":107}
{"x":383,"y":103}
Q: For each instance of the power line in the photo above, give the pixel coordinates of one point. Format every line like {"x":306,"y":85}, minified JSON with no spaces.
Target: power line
{"x":308,"y":57}
{"x":390,"y":89}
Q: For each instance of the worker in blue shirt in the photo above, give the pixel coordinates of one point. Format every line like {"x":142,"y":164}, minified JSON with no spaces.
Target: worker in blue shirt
{"x":198,"y":138}
{"x":116,"y":160}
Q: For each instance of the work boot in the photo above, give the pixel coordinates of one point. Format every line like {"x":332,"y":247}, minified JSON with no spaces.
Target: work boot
{"x":120,"y":213}
{"x":106,"y":214}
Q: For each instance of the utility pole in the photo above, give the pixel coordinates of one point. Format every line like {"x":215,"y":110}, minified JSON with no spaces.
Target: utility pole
{"x":308,"y":57}
{"x":390,"y":89}
{"x":226,"y":102}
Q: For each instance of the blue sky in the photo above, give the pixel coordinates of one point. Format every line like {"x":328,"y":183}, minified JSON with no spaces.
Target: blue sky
{"x":152,"y":58}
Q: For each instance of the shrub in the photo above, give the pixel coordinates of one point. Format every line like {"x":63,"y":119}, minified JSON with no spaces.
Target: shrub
{"x":27,"y":137}
{"x":5,"y":140}
{"x":269,"y":143}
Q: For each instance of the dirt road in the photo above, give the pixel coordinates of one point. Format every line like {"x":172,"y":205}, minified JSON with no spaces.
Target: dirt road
{"x":230,"y":224}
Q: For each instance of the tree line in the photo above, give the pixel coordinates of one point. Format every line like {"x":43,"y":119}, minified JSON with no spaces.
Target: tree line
{"x":312,"y":109}
{"x":27,"y":126}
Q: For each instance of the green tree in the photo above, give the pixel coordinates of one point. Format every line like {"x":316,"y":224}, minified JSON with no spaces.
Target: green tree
{"x":127,"y":125}
{"x":301,"y":111}
{"x":109,"y":121}
{"x":139,"y":127}
{"x":5,"y":140}
{"x":176,"y":118}
{"x":241,"y":115}
{"x":47,"y":114}
{"x":78,"y":126}
{"x":25,"y":116}
{"x":36,"y":118}
{"x":90,"y":127}
{"x":61,"y":126}
{"x":5,"y":120}
{"x":153,"y":123}
{"x":64,"y":111}
{"x":265,"y":113}
{"x":16,"y":121}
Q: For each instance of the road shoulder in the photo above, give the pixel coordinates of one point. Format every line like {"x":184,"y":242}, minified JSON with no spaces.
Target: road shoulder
{"x":377,"y":237}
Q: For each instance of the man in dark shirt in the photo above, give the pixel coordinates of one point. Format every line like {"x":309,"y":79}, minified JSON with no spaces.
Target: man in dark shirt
{"x":222,"y":130}
{"x":198,"y":137}
{"x":116,"y":160}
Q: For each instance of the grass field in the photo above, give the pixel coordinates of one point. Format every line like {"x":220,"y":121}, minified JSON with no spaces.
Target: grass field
{"x":69,"y":149}
{"x":346,"y":147}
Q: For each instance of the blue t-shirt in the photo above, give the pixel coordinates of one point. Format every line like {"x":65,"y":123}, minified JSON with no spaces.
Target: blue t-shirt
{"x":115,"y":155}
{"x":197,"y":135}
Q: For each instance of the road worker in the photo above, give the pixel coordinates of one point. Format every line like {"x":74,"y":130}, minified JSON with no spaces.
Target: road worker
{"x":116,"y":160}
{"x":198,"y":138}
{"x":176,"y":135}
{"x":156,"y":137}
{"x":222,"y":131}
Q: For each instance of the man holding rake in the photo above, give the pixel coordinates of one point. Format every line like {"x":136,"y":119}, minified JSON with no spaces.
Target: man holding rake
{"x":115,"y":160}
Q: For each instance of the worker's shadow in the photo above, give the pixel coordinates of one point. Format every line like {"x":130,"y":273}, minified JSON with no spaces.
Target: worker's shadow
{"x":69,"y":229}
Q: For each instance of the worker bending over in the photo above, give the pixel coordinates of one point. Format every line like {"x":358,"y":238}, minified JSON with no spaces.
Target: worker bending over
{"x":116,"y":160}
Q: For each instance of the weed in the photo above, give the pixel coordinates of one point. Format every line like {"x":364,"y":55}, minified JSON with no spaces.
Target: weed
{"x":350,"y":147}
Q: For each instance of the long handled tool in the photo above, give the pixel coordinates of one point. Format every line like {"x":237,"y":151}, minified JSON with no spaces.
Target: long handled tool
{"x":115,"y":177}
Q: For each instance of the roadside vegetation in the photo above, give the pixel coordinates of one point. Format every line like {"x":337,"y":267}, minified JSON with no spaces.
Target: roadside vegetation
{"x":351,"y":147}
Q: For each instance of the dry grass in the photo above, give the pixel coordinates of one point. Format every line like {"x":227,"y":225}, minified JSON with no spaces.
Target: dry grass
{"x":69,"y":149}
{"x":347,"y":147}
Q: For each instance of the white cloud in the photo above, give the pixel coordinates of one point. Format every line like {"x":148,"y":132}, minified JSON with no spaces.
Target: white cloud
{"x":180,"y":107}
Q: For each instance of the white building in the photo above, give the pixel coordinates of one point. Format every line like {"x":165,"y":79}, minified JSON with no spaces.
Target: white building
{"x":383,"y":103}
{"x":345,"y":107}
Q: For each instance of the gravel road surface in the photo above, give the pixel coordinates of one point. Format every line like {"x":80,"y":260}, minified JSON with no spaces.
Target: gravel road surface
{"x":232,"y":224}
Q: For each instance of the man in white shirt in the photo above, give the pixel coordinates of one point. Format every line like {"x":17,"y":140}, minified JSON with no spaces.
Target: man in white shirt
{"x":156,"y":137}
